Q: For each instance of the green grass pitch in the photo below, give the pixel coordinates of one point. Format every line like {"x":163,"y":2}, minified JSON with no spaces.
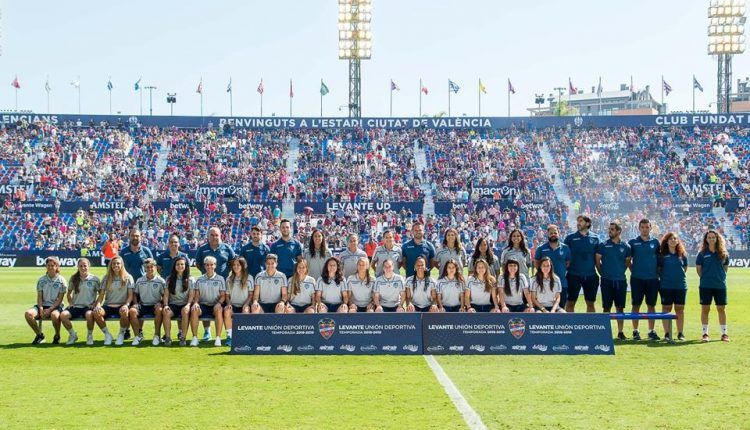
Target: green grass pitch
{"x":644,"y":386}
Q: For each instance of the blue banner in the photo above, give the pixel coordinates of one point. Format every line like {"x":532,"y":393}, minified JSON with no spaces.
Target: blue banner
{"x":517,"y":333}
{"x":680,"y":120}
{"x":333,"y":207}
{"x":332,"y":333}
{"x":179,"y":206}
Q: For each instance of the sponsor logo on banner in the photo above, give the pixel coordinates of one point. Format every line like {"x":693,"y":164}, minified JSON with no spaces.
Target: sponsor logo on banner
{"x":325,"y":348}
{"x":578,"y":121}
{"x":517,"y":327}
{"x":285,"y":348}
{"x":498,"y":348}
{"x":477,"y":348}
{"x":708,"y":190}
{"x":411,"y":348}
{"x":306,"y":348}
{"x":326,"y":327}
{"x":64,"y":262}
{"x":436,"y":348}
{"x":456,"y":348}
{"x":8,"y":262}
{"x":368,"y":348}
{"x":539,"y":347}
{"x":603,"y":348}
{"x":349,"y":348}
{"x":560,"y":348}
{"x":581,"y":347}
{"x":518,"y":348}
{"x":489,"y":190}
{"x":243,"y":348}
{"x":389,"y":348}
{"x":263,"y":348}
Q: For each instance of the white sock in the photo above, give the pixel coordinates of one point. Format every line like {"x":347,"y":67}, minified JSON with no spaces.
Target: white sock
{"x":122,"y":330}
{"x":90,"y":332}
{"x":723,"y":329}
{"x":70,"y":330}
{"x":705,"y":328}
{"x":229,"y":332}
{"x":105,"y":330}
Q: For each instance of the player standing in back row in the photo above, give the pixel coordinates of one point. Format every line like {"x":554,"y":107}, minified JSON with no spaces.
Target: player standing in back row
{"x":644,"y":279}
{"x":582,"y":272}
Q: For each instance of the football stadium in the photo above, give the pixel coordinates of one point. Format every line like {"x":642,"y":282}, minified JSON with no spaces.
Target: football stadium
{"x":365,"y":214}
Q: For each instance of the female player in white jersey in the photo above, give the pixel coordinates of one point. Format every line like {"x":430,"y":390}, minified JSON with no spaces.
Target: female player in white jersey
{"x":360,"y":288}
{"x":451,"y":288}
{"x":241,"y":289}
{"x":301,"y":290}
{"x":481,"y":291}
{"x":82,"y":293}
{"x":331,"y":289}
{"x":421,"y":290}
{"x":115,"y":299}
{"x":546,"y":287}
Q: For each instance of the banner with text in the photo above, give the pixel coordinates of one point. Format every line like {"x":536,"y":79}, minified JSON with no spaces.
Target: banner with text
{"x":516,"y":333}
{"x":347,"y":334}
{"x":380,"y":207}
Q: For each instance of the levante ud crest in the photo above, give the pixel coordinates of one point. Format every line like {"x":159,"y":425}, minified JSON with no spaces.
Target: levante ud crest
{"x":517,"y":327}
{"x":326,"y":327}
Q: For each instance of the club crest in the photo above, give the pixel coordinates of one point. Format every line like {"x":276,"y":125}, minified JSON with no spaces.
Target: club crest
{"x":326,"y":327}
{"x":517,"y":327}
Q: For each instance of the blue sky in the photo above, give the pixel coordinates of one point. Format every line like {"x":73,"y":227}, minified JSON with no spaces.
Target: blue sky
{"x":172,"y":44}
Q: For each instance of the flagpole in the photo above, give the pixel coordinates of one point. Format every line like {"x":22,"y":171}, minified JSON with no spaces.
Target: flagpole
{"x":16,"y":98}
{"x":79,"y":96}
{"x":261,"y":105}
{"x":599,"y":90}
{"x":480,"y":97}
{"x":48,"y":102}
{"x":662,"y":93}
{"x":449,"y":97}
{"x":693,"y":93}
{"x":201,"y":102}
{"x":140,"y":94}
{"x":390,"y":111}
{"x":420,"y":97}
{"x":321,"y":98}
{"x":110,"y":102}
{"x":231,"y":112}
{"x":508,"y":97}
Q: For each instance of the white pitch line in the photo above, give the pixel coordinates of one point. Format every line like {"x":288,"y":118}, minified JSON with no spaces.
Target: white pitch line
{"x":473,"y":420}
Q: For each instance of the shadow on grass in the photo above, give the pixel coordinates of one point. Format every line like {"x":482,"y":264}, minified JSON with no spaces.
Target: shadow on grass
{"x":100,"y":344}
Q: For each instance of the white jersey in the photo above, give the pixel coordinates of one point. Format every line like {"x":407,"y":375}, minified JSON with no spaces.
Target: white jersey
{"x":382,"y":254}
{"x":270,"y":286}
{"x":150,"y":291}
{"x":331,"y":291}
{"x":515,"y":297}
{"x":421,"y":290}
{"x":88,"y":290}
{"x":180,"y":297}
{"x":446,"y":254}
{"x":315,"y":264}
{"x":51,"y":288}
{"x":390,"y":289}
{"x":306,"y":292}
{"x":239,"y":293}
{"x":547,"y":297}
{"x":450,"y":291}
{"x":349,"y":260}
{"x":361,"y":290}
{"x":495,"y":267}
{"x":117,"y":293}
{"x":210,"y":288}
{"x":479,"y":296}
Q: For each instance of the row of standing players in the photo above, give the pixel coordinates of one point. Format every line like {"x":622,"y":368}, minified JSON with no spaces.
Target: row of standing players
{"x":328,"y":284}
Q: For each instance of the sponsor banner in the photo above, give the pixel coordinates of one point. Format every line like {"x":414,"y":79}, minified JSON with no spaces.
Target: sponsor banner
{"x":331,"y":333}
{"x":693,"y":205}
{"x":709,"y":190}
{"x":40,"y":206}
{"x":214,"y":191}
{"x":71,"y":206}
{"x":333,"y":207}
{"x":680,"y":120}
{"x":179,"y":206}
{"x":445,"y":207}
{"x":517,"y":333}
{"x":238,"y":207}
{"x":37,"y":258}
{"x":12,"y":189}
{"x":489,"y":190}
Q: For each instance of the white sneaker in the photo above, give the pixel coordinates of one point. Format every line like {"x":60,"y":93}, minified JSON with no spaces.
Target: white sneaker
{"x":156,"y":341}
{"x":120,"y":338}
{"x":137,"y":340}
{"x":72,"y":339}
{"x":107,"y":339}
{"x":194,"y":342}
{"x":217,"y":342}
{"x":90,"y":339}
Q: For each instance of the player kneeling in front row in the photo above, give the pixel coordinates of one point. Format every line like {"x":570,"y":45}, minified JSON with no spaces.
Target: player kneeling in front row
{"x":388,"y":294}
{"x":177,"y":298}
{"x":149,"y":292}
{"x":211,"y":295}
{"x":82,"y":293}
{"x":331,"y":292}
{"x":360,"y":287}
{"x":421,"y":290}
{"x":50,"y":290}
{"x":546,"y":288}
{"x":513,"y":290}
{"x":270,"y":289}
{"x":481,"y":289}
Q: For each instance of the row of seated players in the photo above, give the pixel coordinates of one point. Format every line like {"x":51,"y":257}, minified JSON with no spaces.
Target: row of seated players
{"x":182,"y":296}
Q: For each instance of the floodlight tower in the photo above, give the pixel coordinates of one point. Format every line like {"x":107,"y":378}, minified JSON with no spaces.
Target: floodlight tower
{"x":726,"y":37}
{"x":355,"y":44}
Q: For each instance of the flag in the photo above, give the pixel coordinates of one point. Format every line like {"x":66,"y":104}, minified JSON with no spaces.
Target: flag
{"x":571,"y":88}
{"x":482,"y":88}
{"x":452,"y":86}
{"x":109,"y":84}
{"x":291,"y":89}
{"x":599,"y":88}
{"x":394,"y":86}
{"x":424,"y":90}
{"x":666,"y":86}
{"x":323,"y":88}
{"x":697,"y":84}
{"x":199,"y":90}
{"x":510,"y":87}
{"x":137,"y":85}
{"x":229,"y":87}
{"x":260,"y":87}
{"x":76,"y":83}
{"x":15,"y":84}
{"x":47,"y":87}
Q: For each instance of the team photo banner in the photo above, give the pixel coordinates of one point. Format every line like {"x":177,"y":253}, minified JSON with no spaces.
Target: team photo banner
{"x":330,"y":334}
{"x":517,"y":333}
{"x":683,"y":120}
